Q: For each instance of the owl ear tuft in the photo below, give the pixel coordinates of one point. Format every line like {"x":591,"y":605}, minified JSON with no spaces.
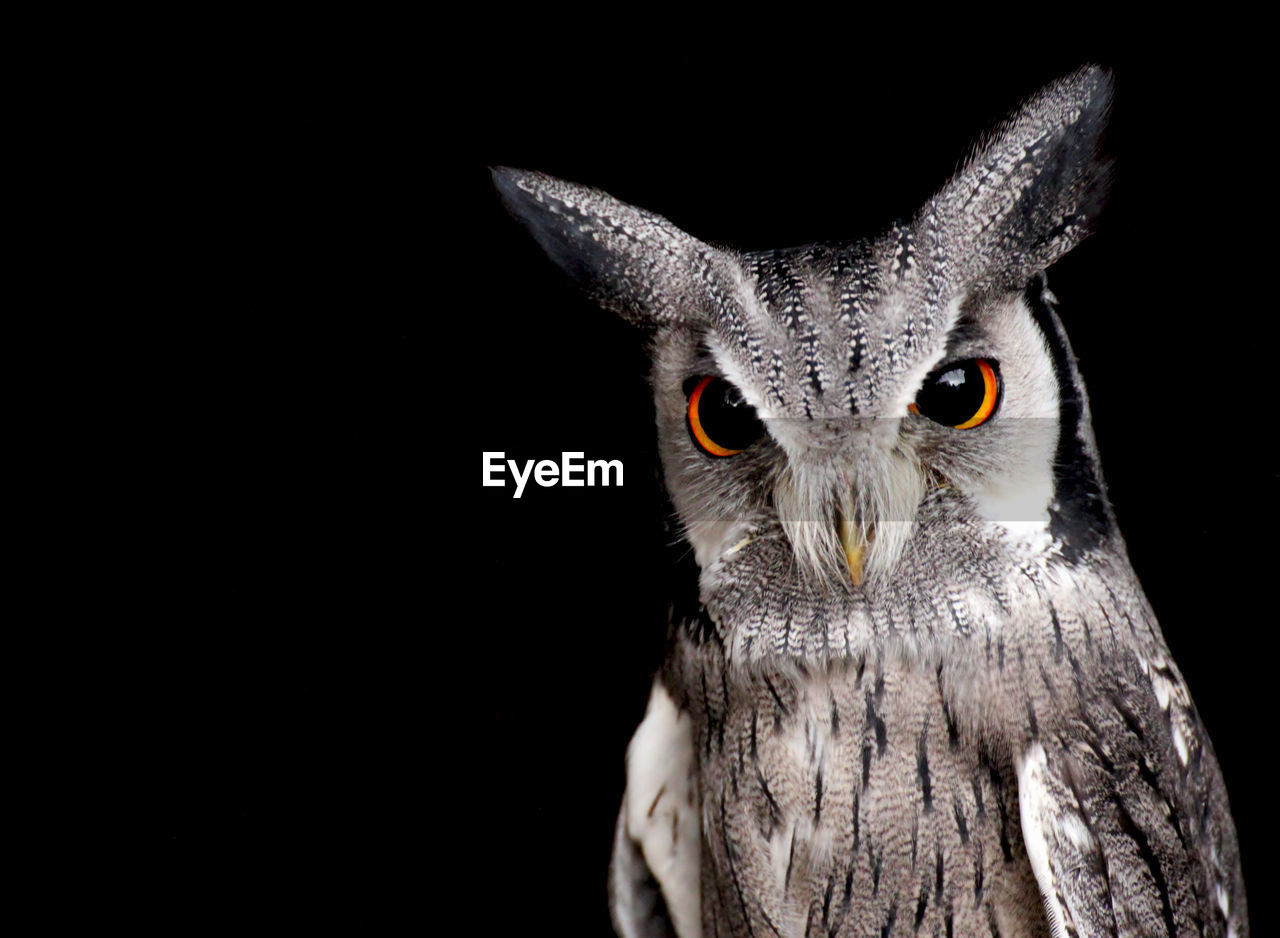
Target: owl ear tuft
{"x":1034,"y":190}
{"x":631,"y":261}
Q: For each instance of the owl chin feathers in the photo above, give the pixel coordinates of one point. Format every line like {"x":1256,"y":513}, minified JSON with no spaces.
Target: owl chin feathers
{"x":849,"y":525}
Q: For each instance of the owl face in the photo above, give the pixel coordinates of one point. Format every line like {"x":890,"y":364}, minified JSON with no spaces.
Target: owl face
{"x":836,"y":408}
{"x":826,"y":414}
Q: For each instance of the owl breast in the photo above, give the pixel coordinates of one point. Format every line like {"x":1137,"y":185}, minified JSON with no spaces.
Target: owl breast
{"x":848,"y":802}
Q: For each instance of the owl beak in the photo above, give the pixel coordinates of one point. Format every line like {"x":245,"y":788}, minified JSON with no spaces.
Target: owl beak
{"x":855,"y":548}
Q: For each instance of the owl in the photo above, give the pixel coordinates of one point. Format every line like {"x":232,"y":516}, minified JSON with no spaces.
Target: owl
{"x":912,"y":685}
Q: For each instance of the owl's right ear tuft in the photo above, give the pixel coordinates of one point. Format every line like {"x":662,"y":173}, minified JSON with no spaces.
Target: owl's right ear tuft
{"x":631,"y":261}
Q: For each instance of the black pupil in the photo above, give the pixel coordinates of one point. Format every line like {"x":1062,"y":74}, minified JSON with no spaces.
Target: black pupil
{"x":725,"y":417}
{"x":953,"y":394}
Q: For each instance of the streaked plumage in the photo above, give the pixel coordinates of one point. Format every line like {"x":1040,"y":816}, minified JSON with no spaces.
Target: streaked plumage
{"x":915,"y":687}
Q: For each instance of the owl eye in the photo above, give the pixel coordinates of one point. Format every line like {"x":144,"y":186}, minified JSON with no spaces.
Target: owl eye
{"x":961,"y":394}
{"x":720,"y":421}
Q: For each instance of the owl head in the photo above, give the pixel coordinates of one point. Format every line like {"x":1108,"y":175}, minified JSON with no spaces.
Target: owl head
{"x":845,"y":413}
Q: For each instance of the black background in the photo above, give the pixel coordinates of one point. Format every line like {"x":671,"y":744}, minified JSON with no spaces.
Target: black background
{"x":386,"y":691}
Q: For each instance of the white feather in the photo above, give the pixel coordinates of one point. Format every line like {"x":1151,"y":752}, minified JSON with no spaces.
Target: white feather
{"x":660,"y":808}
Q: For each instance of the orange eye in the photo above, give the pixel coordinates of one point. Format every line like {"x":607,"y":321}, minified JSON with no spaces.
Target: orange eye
{"x":961,"y":394}
{"x":720,"y":421}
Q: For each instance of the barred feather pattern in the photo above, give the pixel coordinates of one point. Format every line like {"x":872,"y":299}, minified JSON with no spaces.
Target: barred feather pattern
{"x":858,"y":764}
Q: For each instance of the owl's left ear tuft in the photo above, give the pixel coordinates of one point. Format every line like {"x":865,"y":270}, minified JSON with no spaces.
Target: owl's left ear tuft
{"x":629,"y":260}
{"x":1034,"y":190}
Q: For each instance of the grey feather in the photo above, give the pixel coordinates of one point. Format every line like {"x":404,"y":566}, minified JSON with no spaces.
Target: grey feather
{"x":631,"y":261}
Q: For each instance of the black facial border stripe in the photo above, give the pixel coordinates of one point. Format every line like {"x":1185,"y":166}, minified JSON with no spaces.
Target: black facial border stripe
{"x":1078,"y":515}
